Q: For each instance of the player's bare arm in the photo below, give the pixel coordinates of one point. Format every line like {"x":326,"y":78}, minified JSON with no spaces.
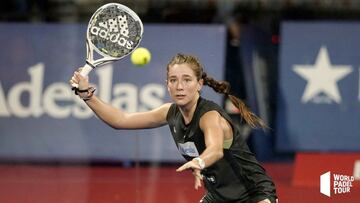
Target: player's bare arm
{"x":115,"y":117}
{"x":212,"y":124}
{"x":122,"y":120}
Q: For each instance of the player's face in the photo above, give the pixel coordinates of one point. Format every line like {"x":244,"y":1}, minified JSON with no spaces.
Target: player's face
{"x":182,"y":84}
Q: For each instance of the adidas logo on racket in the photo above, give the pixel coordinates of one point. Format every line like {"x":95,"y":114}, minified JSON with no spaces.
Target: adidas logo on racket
{"x":115,"y":30}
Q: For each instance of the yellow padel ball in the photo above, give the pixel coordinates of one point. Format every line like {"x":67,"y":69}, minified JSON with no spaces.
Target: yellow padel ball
{"x":141,"y":56}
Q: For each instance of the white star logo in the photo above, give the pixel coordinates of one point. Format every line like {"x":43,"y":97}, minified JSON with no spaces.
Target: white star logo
{"x":322,"y":77}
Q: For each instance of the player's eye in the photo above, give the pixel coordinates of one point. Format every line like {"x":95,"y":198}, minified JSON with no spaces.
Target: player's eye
{"x":172,"y":80}
{"x":188,"y":80}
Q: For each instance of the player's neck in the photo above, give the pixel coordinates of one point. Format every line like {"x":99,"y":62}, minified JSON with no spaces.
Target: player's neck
{"x":189,"y":110}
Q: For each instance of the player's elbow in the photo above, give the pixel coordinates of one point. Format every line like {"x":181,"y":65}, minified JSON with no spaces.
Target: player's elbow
{"x":218,"y":154}
{"x":116,"y":125}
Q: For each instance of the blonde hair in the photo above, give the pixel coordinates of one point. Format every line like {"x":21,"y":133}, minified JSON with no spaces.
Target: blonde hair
{"x":222,"y":87}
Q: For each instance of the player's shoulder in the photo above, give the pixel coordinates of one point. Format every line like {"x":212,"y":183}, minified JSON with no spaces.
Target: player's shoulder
{"x":208,"y":105}
{"x":162,"y":109}
{"x":165,"y":107}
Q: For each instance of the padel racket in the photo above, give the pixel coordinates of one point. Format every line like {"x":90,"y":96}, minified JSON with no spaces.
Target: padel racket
{"x":114,"y":31}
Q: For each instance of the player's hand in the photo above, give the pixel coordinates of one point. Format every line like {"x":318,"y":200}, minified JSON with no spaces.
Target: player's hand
{"x":194,"y":166}
{"x":198,"y":178}
{"x":78,"y":80}
{"x":189,"y":165}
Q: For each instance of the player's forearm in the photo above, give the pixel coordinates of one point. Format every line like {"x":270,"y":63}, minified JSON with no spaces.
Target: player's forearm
{"x":106,"y":112}
{"x":211,"y":155}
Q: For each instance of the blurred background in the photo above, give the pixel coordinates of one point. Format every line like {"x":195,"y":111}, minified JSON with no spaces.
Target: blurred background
{"x":294,"y":62}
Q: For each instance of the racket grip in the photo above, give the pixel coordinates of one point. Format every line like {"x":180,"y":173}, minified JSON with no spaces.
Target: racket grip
{"x":86,"y":70}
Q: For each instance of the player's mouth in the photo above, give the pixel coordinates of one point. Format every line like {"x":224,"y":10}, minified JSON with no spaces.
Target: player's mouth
{"x":180,"y":96}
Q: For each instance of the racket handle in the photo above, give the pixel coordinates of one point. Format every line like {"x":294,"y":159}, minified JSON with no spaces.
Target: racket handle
{"x":86,"y":70}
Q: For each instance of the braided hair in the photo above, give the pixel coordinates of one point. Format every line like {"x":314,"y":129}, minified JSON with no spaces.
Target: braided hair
{"x":221,"y":87}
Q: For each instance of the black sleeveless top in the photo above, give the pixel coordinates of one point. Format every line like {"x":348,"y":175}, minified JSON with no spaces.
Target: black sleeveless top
{"x":237,"y":177}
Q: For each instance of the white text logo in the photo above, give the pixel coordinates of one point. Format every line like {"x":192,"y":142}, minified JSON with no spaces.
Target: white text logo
{"x":33,"y":99}
{"x":340,"y":183}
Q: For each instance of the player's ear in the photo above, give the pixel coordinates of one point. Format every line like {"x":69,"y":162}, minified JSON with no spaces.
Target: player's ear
{"x":167,"y":85}
{"x":201,"y":83}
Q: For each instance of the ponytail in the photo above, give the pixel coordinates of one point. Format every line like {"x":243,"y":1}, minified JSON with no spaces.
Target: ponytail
{"x":223,"y":87}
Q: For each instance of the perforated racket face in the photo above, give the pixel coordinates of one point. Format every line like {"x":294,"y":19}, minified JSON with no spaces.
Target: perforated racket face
{"x":114,"y":30}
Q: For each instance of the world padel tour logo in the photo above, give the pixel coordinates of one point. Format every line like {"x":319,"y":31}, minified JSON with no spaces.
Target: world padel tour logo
{"x":335,"y":184}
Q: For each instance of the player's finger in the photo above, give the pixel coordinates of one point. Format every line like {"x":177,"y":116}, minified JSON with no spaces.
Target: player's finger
{"x":71,"y":82}
{"x":79,"y":69}
{"x":77,"y":75}
{"x":182,"y":168}
{"x":187,"y":165}
{"x":197,"y":183}
{"x":74,"y":80}
{"x":80,"y":77}
{"x":198,"y":174}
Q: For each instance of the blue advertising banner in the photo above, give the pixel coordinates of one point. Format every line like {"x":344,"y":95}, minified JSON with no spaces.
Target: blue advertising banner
{"x":319,"y":89}
{"x":41,"y":118}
